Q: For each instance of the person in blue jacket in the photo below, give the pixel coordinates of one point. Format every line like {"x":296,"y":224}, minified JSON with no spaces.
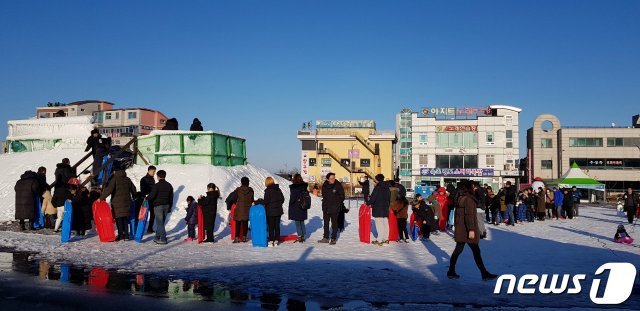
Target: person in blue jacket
{"x":558,"y":197}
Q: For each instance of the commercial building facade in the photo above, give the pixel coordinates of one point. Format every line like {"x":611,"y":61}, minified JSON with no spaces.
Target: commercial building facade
{"x":439,"y":146}
{"x":610,"y":155}
{"x":351,"y":149}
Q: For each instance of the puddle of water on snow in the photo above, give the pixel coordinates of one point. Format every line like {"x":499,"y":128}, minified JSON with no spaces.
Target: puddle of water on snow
{"x":97,"y":279}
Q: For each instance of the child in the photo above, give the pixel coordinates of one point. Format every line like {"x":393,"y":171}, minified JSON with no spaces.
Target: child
{"x":400,"y":208}
{"x":192,"y":218}
{"x":622,"y":236}
{"x":48,"y":209}
{"x":425,"y":217}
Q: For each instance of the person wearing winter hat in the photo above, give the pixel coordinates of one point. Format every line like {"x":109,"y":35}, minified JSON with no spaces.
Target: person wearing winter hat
{"x":196,"y":126}
{"x":99,"y":147}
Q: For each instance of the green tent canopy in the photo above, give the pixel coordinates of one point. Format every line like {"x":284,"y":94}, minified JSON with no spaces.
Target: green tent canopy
{"x":576,"y":177}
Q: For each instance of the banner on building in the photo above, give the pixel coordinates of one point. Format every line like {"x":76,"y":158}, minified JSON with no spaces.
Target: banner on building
{"x":354,"y":124}
{"x":304,"y":165}
{"x":431,"y":112}
{"x":456,"y":128}
{"x":354,"y":153}
{"x":457,"y":172}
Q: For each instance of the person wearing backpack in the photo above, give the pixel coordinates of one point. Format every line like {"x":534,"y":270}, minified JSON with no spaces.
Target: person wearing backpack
{"x":299,"y":204}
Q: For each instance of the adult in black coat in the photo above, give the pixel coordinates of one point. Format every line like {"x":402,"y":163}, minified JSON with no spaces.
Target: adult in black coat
{"x":380,"y":201}
{"x":273,"y":202}
{"x":42,"y":180}
{"x":366,"y":188}
{"x":81,"y":205}
{"x":196,"y":126}
{"x":630,"y":202}
{"x":171,"y":125}
{"x":297,"y":214}
{"x":27,"y":192}
{"x":209,"y":205}
{"x":161,"y":198}
{"x":231,"y":199}
{"x":332,"y":200}
{"x":63,"y":173}
{"x":402,"y":191}
{"x":122,"y":192}
{"x":99,"y":147}
{"x":146,"y":184}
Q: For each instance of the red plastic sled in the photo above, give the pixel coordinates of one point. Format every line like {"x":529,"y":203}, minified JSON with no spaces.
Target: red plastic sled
{"x":364,"y":227}
{"x":288,"y":238}
{"x":98,"y":278}
{"x":200,"y":224}
{"x":393,"y":227}
{"x":104,"y":221}
{"x":232,"y":222}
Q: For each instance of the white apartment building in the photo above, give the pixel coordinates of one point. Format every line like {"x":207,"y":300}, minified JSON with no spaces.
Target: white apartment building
{"x":442,"y":145}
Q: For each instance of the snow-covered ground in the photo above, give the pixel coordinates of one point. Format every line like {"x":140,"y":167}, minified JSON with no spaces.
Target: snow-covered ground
{"x":350,"y":270}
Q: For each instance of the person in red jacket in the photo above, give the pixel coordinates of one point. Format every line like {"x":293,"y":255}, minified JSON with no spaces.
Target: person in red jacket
{"x":443,"y":201}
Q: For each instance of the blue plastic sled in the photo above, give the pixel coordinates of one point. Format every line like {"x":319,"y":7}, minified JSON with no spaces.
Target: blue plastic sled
{"x":142,"y":221}
{"x":38,"y":223}
{"x":132,"y":220}
{"x":66,"y":222}
{"x":452,"y":215}
{"x":106,"y":172}
{"x":258,"y":220}
{"x":65,"y":273}
{"x":415,"y":231}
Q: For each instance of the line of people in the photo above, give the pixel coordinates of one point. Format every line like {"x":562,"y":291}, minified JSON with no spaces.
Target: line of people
{"x":509,"y":206}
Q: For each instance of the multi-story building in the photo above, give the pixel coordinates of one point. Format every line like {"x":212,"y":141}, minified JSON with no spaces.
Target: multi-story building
{"x":610,"y":155}
{"x":74,"y":109}
{"x":440,"y":146}
{"x":350,"y":149}
{"x":123,"y":124}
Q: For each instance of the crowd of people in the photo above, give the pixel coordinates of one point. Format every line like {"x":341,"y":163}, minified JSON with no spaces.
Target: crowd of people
{"x":464,"y":209}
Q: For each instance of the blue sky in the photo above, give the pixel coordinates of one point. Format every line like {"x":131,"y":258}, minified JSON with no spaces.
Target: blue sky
{"x":258,"y":69}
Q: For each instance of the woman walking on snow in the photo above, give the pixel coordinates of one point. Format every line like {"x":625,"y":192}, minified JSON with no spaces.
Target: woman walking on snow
{"x":466,"y":231}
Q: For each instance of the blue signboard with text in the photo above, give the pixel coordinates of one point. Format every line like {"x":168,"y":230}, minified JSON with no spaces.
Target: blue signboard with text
{"x":457,"y":172}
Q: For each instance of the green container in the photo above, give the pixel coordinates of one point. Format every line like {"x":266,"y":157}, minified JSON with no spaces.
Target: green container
{"x":193,"y":148}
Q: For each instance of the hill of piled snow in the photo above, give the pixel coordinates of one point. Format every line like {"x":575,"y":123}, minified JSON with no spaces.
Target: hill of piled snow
{"x":187,"y":180}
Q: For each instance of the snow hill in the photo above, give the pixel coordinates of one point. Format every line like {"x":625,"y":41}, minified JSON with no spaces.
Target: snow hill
{"x":186,"y":180}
